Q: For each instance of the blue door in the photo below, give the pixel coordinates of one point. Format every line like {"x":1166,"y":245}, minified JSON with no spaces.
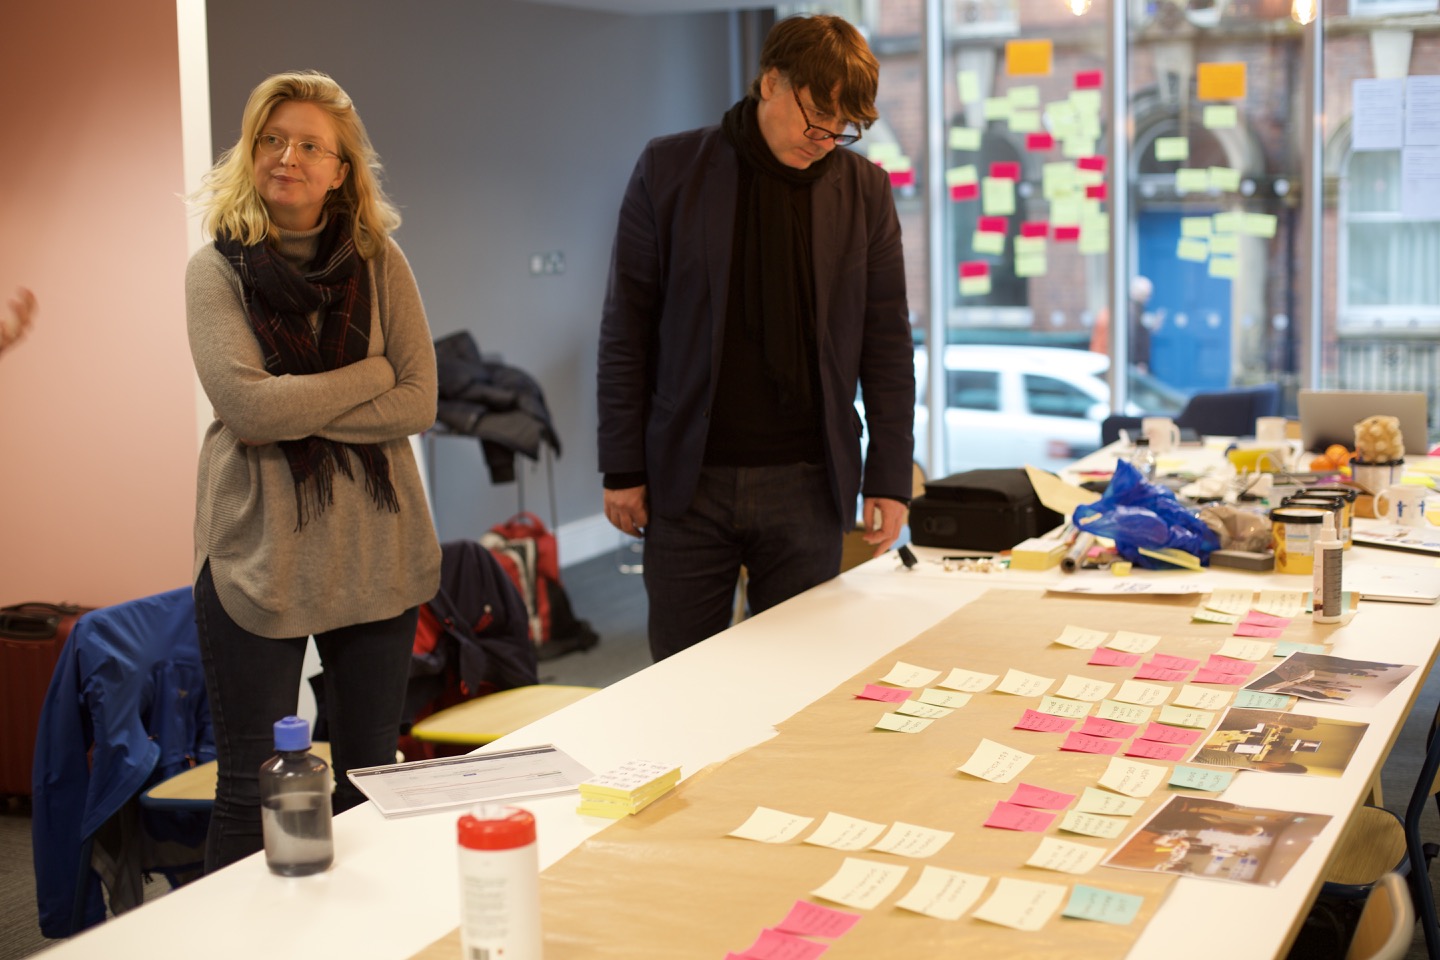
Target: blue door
{"x":1190,"y":343}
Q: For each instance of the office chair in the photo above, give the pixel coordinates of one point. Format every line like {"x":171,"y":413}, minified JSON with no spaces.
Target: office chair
{"x":1223,"y":413}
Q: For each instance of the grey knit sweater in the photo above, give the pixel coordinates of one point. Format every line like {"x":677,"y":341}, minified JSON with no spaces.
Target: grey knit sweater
{"x":354,"y":563}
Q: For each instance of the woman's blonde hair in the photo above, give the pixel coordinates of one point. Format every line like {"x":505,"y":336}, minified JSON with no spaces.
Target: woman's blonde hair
{"x":230,"y":201}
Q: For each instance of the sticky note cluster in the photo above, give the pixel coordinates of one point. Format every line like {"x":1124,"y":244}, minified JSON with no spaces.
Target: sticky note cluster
{"x":627,"y":789}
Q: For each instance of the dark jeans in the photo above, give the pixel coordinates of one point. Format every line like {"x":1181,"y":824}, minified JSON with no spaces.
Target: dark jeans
{"x":779,"y":522}
{"x":253,"y":681}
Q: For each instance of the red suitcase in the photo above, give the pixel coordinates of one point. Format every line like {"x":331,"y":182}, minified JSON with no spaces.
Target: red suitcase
{"x":31,"y":635}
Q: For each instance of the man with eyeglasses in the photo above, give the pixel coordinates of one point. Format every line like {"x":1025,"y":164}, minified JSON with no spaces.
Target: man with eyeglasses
{"x":757,"y":279}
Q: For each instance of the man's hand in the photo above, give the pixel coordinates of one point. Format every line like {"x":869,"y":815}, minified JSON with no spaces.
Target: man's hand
{"x":21,"y":315}
{"x":891,"y":517}
{"x":626,"y":510}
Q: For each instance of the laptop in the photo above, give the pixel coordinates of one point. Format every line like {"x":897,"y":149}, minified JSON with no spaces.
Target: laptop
{"x":1329,"y":416}
{"x":1401,"y":584}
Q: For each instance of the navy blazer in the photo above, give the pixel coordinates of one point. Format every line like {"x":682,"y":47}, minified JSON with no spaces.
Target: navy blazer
{"x":663,"y":322}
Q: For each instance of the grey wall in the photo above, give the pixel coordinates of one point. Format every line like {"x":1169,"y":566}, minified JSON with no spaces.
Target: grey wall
{"x":506,"y":129}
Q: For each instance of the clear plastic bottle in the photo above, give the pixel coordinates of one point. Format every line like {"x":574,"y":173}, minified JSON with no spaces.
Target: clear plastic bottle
{"x":499,"y":884}
{"x":295,"y":812}
{"x":1143,"y":458}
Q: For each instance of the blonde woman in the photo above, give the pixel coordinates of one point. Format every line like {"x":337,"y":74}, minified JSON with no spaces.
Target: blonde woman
{"x":311,"y":343}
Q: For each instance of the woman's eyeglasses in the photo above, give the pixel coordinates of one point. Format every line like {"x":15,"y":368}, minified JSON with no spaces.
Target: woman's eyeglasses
{"x":306,"y":151}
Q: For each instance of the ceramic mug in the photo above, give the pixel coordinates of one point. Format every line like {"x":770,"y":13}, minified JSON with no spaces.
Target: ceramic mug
{"x":1402,"y":503}
{"x":1162,"y":433}
{"x":1270,"y":429}
{"x":1374,"y":477}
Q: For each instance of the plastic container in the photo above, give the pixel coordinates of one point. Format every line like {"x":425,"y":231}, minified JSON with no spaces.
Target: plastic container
{"x":1348,"y":496}
{"x":1295,"y":530}
{"x":1143,"y":459}
{"x":499,"y":884}
{"x":1330,"y":505}
{"x":1329,"y":555}
{"x":295,"y":813}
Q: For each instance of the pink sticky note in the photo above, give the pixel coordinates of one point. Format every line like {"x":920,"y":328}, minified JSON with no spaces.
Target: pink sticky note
{"x":812,"y":920}
{"x":1257,"y":630}
{"x":1155,"y":750}
{"x":1265,"y":619}
{"x":1039,"y":141}
{"x":1096,"y":727}
{"x":1043,"y":722}
{"x":1168,"y":734}
{"x":887,"y":694}
{"x":1091,"y":163}
{"x":1104,"y":656}
{"x":1035,"y":228}
{"x":1005,"y":170}
{"x":1012,"y":816}
{"x":1149,"y":671}
{"x":902,"y":178}
{"x":1089,"y":79}
{"x":774,"y":945}
{"x":1070,"y":235}
{"x":1096,"y":191}
{"x":1026,"y":795}
{"x":964,"y":191}
{"x":974,"y":268}
{"x":1215,"y":676}
{"x":1240,"y":668}
{"x":1084,"y":743}
{"x":992,"y":224}
{"x":1169,"y":661}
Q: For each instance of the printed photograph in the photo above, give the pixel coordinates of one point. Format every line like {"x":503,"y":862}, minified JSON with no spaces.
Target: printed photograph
{"x":1215,"y":840}
{"x":1317,"y":676}
{"x":1274,"y":742}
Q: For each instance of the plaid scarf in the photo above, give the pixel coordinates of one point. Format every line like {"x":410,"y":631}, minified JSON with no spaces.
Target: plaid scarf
{"x":279,"y":301}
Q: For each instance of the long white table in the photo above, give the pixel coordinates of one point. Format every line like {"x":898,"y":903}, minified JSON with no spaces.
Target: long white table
{"x":393,"y":888}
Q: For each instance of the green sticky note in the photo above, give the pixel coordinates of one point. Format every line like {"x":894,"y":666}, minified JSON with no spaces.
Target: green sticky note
{"x":969,"y":83}
{"x":1066,"y":213}
{"x":1259,"y":224}
{"x":1172,"y":148}
{"x":975,"y":286}
{"x":1192,"y":180}
{"x":1193,"y":249}
{"x":1085,"y":102}
{"x":1261,"y":701}
{"x":1224,"y":179}
{"x":1027,"y":246}
{"x":1027,"y":96}
{"x":1227,"y":268}
{"x":991,"y":243}
{"x":1201,"y":778}
{"x":1286,"y":647}
{"x":1025,"y":121}
{"x":997,"y":197}
{"x":1220,"y":116}
{"x":997,"y":108}
{"x":964,"y":138}
{"x":1106,"y":906}
{"x":1225,"y":243}
{"x":1194,"y":226}
{"x":1230,"y":222}
{"x":1030,"y":265}
{"x":958,"y":175}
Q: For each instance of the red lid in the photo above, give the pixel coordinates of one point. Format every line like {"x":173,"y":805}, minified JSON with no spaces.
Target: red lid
{"x":496,"y":828}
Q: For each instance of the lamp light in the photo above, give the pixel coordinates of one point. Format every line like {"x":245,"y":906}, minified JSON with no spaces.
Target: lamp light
{"x":1078,"y":7}
{"x":1302,"y":11}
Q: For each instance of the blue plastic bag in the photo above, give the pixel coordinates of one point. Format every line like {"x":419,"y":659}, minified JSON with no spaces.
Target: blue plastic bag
{"x":1138,"y":514}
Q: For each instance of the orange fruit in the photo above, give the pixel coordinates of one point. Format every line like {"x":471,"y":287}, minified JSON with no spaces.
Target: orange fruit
{"x":1338,"y":454}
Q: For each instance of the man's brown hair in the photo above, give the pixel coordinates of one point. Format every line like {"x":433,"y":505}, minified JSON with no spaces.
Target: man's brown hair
{"x":824,"y":53}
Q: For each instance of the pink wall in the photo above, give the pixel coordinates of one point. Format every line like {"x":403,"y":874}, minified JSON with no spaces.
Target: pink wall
{"x":97,"y":409}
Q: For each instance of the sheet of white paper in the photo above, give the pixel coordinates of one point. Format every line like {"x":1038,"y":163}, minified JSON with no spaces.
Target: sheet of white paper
{"x":1422,"y":111}
{"x":1377,"y":114}
{"x":771,"y":826}
{"x":1117,"y":586}
{"x":1420,"y":182}
{"x":403,"y":789}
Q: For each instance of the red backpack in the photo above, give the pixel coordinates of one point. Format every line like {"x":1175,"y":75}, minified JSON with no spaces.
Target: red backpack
{"x":526,"y":550}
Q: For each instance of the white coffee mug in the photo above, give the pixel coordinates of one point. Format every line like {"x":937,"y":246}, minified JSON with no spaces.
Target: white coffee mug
{"x":1374,"y":477}
{"x":1270,"y":429}
{"x":1162,"y":433}
{"x":1402,"y":503}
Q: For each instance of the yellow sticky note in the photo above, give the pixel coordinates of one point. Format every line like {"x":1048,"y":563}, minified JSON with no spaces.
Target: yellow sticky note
{"x":1077,"y":147}
{"x":997,"y":108}
{"x":1193,"y":249}
{"x":1066,"y":212}
{"x":882,"y":153}
{"x":1220,"y":117}
{"x":1225,"y":267}
{"x":1259,"y":224}
{"x":1220,"y":81}
{"x":1086,"y":103}
{"x":1061,"y":116}
{"x":1029,"y":58}
{"x":988,"y":242}
{"x":1230,"y":222}
{"x":1027,"y":246}
{"x":1224,"y":179}
{"x":1194,"y":226}
{"x":1225,"y":243}
{"x":1028,"y":96}
{"x":958,"y":175}
{"x":1030,"y":265}
{"x":1172,"y":148}
{"x":1192,"y":180}
{"x":997,"y":197}
{"x":975,"y":286}
{"x":1025,"y":121}
{"x":969,"y":83}
{"x":1057,"y":180}
{"x":1095,"y":235}
{"x":964,"y":138}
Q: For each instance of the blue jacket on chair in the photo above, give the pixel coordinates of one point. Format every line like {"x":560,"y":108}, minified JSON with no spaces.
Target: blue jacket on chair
{"x":126,"y":708}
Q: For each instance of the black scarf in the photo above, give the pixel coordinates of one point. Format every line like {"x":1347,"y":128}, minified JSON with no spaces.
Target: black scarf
{"x":279,"y":301}
{"x":772,"y":246}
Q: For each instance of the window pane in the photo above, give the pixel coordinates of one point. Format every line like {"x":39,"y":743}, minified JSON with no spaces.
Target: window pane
{"x":974,"y":390}
{"x":1049,"y":397}
{"x":1394,"y":264}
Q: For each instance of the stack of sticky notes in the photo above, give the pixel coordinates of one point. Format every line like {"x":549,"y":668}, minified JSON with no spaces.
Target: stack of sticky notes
{"x":1037,"y":554}
{"x":629,"y":788}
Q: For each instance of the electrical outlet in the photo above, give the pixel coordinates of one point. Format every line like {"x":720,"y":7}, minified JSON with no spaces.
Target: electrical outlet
{"x":549,"y":263}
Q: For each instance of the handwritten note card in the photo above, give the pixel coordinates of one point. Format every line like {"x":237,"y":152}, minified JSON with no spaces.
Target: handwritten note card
{"x":1201,"y":778}
{"x":840,"y":832}
{"x":1202,"y":698}
{"x":1108,"y":804}
{"x":996,"y":762}
{"x":1065,"y":856}
{"x":1022,"y":904}
{"x":861,"y":884}
{"x":1282,"y":603}
{"x":1043,"y":722}
{"x":1145,"y":694}
{"x":1093,"y":825}
{"x":943,"y":698}
{"x":967,"y":681}
{"x":1178,"y":716}
{"x":943,"y":894}
{"x":1023,"y":684}
{"x":1084,"y":688}
{"x":1084,"y":743}
{"x":909,"y":840}
{"x":1106,"y":657}
{"x":1132,"y":642}
{"x":1060,"y":707}
{"x":927,"y":711}
{"x":899,"y":723}
{"x":1096,"y":727}
{"x":1105,"y":906}
{"x":778,"y":943}
{"x":771,"y":826}
{"x":1124,"y":712}
{"x":886,"y":694}
{"x":1155,"y":750}
{"x":1080,"y":638}
{"x":908,"y":675}
{"x":1133,"y":779}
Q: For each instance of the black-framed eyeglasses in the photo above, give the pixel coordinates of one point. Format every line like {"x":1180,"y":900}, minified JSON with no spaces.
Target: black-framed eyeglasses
{"x":307,"y":152}
{"x":820,"y":133}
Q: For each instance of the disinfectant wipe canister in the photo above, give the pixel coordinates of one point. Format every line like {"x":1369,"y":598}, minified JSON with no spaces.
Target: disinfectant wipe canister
{"x":499,"y":884}
{"x":295,"y":813}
